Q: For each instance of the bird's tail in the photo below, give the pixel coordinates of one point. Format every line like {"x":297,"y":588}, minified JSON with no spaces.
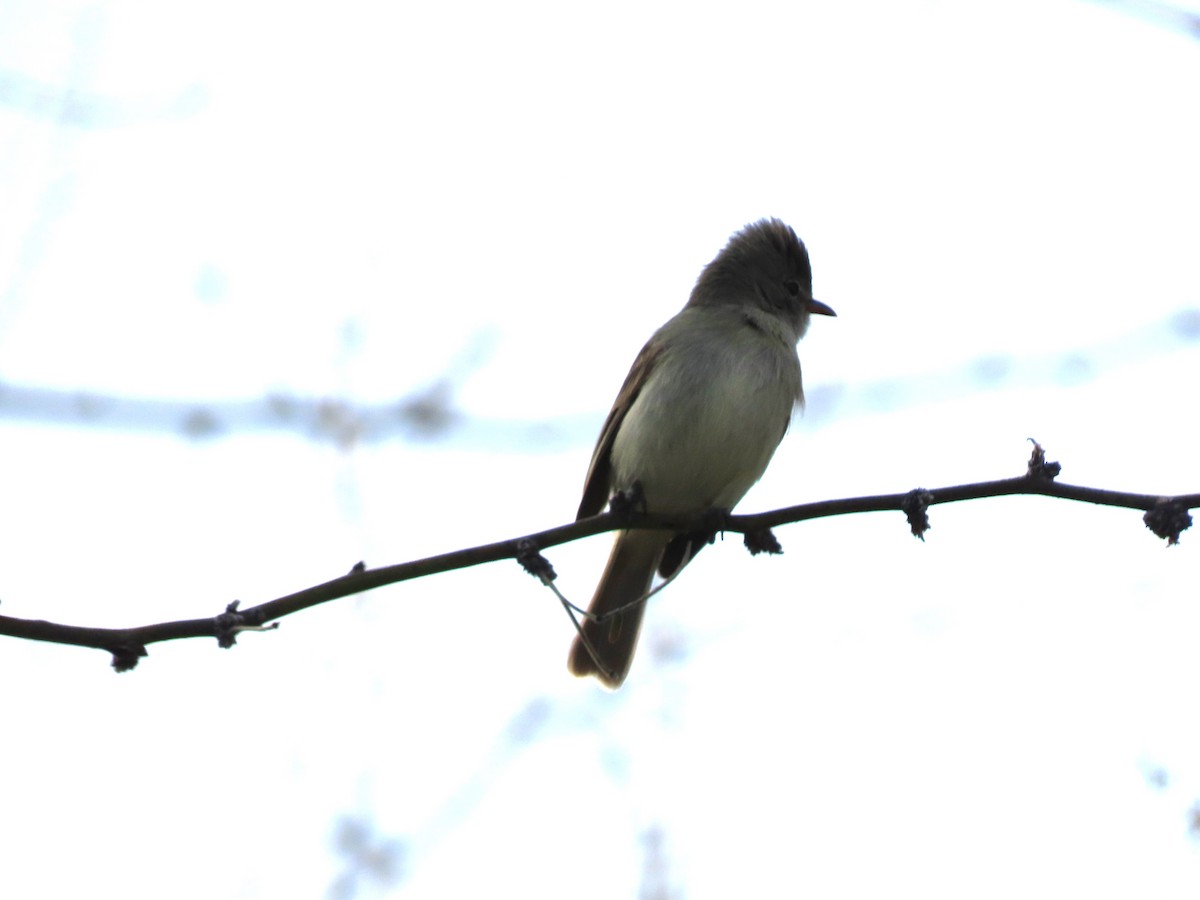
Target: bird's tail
{"x":630,"y":570}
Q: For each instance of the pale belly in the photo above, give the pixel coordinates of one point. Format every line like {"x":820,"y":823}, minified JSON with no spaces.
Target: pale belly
{"x":705,"y":435}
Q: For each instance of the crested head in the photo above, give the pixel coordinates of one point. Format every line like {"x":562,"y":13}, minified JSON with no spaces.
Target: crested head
{"x":764,"y":266}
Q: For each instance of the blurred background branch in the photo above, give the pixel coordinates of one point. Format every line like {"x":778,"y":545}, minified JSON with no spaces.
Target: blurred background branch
{"x":431,"y":413}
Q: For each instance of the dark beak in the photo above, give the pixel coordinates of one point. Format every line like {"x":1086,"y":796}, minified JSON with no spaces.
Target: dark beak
{"x":817,"y":308}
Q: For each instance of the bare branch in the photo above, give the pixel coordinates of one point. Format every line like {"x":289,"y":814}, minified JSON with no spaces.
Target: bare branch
{"x":1165,"y":516}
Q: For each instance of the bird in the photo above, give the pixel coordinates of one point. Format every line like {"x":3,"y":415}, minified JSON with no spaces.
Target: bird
{"x":695,"y":424}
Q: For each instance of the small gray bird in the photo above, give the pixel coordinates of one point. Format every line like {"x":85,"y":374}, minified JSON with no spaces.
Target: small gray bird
{"x":696,"y":422}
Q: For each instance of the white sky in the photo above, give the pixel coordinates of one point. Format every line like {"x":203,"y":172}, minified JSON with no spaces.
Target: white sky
{"x":347,"y":202}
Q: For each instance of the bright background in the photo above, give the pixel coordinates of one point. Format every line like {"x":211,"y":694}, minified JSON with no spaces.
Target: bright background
{"x":287,"y":286}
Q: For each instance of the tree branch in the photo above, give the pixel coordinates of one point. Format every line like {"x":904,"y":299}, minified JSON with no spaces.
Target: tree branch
{"x":1165,"y":516}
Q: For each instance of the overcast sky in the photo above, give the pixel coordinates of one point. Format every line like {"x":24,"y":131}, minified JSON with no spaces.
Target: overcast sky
{"x":234,"y":236}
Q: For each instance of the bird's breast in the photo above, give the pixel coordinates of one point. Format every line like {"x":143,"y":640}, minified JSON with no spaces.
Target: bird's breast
{"x":706,"y":423}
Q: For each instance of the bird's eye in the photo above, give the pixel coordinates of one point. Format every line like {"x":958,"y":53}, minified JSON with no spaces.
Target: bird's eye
{"x":793,"y":287}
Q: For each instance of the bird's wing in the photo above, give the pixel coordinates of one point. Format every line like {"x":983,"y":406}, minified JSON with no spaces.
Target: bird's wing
{"x":598,"y":488}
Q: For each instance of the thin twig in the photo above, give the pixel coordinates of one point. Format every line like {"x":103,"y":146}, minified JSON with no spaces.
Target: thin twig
{"x":129,"y":644}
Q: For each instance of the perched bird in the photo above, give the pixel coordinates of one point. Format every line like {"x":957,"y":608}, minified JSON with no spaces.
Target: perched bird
{"x":696,"y":422}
